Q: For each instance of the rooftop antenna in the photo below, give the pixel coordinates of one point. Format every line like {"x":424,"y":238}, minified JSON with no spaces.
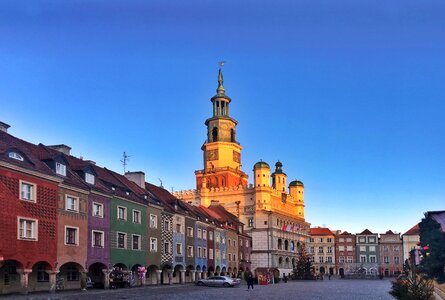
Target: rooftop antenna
{"x":125,"y":159}
{"x":161,"y":183}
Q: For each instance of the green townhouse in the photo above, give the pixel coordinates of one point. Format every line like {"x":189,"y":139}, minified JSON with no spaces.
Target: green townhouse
{"x":128,"y":223}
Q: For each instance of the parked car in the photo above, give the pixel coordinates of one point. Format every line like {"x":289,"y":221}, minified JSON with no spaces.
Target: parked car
{"x":225,"y":281}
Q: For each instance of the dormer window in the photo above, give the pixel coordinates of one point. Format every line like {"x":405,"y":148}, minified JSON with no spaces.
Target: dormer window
{"x":113,"y":188}
{"x":127,"y":192}
{"x":89,"y":178}
{"x":15,"y":155}
{"x":60,"y":169}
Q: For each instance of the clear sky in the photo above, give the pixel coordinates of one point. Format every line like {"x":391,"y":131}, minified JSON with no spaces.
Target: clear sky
{"x":348,"y":95}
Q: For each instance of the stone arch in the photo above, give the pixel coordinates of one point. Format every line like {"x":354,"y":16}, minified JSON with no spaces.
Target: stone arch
{"x":9,"y":275}
{"x":280,"y":244}
{"x":189,"y":273}
{"x":166,"y":270}
{"x":151,"y":275}
{"x":280,"y":261}
{"x":70,"y":273}
{"x":95,"y":272}
{"x":287,"y":261}
{"x":223,"y":271}
{"x":177,"y":273}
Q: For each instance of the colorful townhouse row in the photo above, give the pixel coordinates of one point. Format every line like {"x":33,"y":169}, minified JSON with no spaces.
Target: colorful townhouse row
{"x":65,"y":219}
{"x":365,"y":253}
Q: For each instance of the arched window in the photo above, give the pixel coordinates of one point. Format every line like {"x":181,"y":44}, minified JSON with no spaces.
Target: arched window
{"x":286,"y":245}
{"x":232,"y":135}
{"x":215,"y":134}
{"x":280,"y":244}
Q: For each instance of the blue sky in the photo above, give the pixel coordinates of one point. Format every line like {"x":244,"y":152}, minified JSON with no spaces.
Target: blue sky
{"x":349,"y":95}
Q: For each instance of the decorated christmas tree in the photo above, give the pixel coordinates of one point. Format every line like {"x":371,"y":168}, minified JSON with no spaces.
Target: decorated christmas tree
{"x":303,"y":267}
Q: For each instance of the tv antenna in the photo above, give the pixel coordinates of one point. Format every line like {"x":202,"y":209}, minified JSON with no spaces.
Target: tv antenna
{"x":161,"y":183}
{"x":125,"y":159}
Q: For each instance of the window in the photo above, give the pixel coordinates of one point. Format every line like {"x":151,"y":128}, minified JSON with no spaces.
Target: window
{"x":348,"y":248}
{"x":98,"y":238}
{"x":190,"y":251}
{"x":329,"y":259}
{"x":211,"y":235}
{"x":72,"y":274}
{"x":136,"y":245}
{"x":121,"y":240}
{"x":15,"y":155}
{"x":217,"y":238}
{"x":312,"y":250}
{"x":204,"y":252}
{"x":234,"y":257}
{"x":167,"y":225}
{"x":341,"y":240}
{"x":71,"y":235}
{"x":27,"y":229}
{"x":329,"y":249}
{"x":60,"y":169}
{"x":349,"y":259}
{"x":71,"y":203}
{"x":178,"y":228}
{"x":240,"y":242}
{"x":224,"y":255}
{"x":372,"y":248}
{"x":362,"y":248}
{"x":386,"y":259}
{"x":199,"y":252}
{"x":311,"y":240}
{"x":362,"y":258}
{"x":396,"y":260}
{"x":321,"y":259}
{"x":98,"y":210}
{"x":396,"y":248}
{"x":153,"y":245}
{"x":250,"y":222}
{"x":89,"y":178}
{"x":153,"y":221}
{"x":371,"y":239}
{"x":189,"y":231}
{"x":210,"y":253}
{"x":341,"y":248}
{"x":178,"y":249}
{"x":385,"y":248}
{"x":362,"y":240}
{"x":223,"y":240}
{"x":230,"y":256}
{"x":199,"y":233}
{"x":372,"y":259}
{"x":329,"y":240}
{"x":121,"y":213}
{"x":167,"y":248}
{"x":27,"y":191}
{"x":341,"y":259}
{"x":136,"y":216}
{"x":320,"y":240}
{"x":241,"y":255}
{"x":204,"y":234}
{"x":42,"y":275}
{"x":320,"y":249}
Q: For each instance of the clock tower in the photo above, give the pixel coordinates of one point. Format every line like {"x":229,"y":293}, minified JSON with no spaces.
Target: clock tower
{"x":222,"y":152}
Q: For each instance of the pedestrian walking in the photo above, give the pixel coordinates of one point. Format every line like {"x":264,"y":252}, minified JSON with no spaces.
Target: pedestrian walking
{"x":329,"y":276}
{"x":250,"y":282}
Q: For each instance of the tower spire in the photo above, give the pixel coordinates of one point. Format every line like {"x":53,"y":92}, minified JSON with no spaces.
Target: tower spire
{"x":220,"y":90}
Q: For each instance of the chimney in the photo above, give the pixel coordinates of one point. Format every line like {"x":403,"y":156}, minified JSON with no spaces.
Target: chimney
{"x":4,"y":127}
{"x":61,"y":148}
{"x":90,"y":162}
{"x":136,"y":177}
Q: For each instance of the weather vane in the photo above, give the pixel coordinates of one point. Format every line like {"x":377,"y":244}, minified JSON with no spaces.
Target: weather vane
{"x":221,"y":63}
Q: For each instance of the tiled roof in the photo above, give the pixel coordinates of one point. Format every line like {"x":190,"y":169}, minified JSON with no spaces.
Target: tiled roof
{"x":320,"y":231}
{"x":415,"y":230}
{"x":366,"y":231}
{"x":439,"y":217}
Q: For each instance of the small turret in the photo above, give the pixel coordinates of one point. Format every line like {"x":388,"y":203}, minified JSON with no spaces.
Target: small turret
{"x":279,"y":178}
{"x":262,"y":174}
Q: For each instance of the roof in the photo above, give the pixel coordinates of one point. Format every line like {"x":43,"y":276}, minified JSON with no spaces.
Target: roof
{"x":320,"y":231}
{"x":296,"y":183}
{"x":366,"y":231}
{"x":439,"y":217}
{"x":415,"y":230}
{"x":261,"y":164}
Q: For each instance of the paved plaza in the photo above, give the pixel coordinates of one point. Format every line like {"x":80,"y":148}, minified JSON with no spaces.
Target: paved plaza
{"x":307,"y":290}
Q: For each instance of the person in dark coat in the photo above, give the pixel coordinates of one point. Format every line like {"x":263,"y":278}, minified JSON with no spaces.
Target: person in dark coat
{"x":250,"y":282}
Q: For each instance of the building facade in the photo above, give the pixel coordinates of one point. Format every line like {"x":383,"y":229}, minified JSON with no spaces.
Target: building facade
{"x":322,"y":248}
{"x":391,"y":254}
{"x":271,"y":208}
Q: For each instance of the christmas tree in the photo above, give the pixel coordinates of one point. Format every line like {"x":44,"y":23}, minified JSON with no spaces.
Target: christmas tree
{"x":303,"y":267}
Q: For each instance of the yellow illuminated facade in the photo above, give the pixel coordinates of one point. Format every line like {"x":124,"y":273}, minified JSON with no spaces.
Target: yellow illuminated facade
{"x":271,"y":209}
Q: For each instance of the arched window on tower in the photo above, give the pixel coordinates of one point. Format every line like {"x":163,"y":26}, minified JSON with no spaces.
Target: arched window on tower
{"x":215,"y":134}
{"x":232,"y":135}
